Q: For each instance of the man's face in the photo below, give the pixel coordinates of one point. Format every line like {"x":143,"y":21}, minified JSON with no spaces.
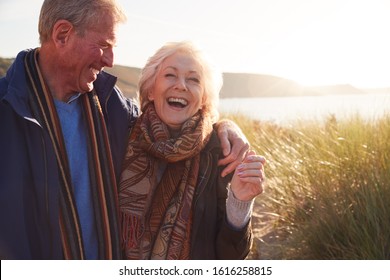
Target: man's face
{"x":85,"y":56}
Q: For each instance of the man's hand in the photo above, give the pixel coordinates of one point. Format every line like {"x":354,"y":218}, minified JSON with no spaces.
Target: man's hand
{"x":234,"y":145}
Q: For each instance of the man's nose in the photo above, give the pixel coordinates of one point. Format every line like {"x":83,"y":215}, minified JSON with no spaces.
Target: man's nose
{"x":108,"y":57}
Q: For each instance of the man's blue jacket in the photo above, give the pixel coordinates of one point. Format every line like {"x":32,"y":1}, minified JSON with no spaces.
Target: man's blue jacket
{"x":29,"y":180}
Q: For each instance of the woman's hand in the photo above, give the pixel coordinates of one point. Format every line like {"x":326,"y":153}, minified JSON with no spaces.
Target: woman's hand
{"x":248,"y":178}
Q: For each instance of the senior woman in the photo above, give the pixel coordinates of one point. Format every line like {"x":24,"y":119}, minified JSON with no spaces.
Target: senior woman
{"x":173,"y":202}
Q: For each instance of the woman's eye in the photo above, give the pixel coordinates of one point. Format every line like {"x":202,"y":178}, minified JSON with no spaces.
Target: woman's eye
{"x":196,"y":80}
{"x":169,"y":75}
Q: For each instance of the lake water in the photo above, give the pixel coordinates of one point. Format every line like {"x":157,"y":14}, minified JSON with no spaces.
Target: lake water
{"x":283,"y":110}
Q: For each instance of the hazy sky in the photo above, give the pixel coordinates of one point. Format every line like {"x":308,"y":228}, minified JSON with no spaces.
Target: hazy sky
{"x":313,"y":42}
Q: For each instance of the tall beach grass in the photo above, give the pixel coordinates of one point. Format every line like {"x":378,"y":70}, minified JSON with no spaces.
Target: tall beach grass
{"x":328,"y":188}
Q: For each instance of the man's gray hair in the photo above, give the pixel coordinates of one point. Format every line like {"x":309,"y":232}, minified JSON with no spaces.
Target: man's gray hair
{"x":82,"y":14}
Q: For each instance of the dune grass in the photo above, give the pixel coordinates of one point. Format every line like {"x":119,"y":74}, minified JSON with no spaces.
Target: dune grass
{"x":328,"y":187}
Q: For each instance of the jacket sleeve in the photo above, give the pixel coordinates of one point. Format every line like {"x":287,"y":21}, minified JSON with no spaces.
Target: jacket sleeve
{"x":212,"y":236}
{"x":231,"y":243}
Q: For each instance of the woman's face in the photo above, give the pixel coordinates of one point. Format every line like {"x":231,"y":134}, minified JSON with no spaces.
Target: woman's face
{"x":178,"y":91}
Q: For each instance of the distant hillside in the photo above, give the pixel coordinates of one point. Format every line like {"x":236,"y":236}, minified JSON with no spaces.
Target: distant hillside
{"x":235,"y":84}
{"x":4,"y":65}
{"x":241,"y":85}
{"x":256,"y":85}
{"x":127,"y":78}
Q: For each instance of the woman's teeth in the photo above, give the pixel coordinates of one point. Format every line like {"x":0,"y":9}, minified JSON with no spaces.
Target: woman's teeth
{"x":177,"y":102}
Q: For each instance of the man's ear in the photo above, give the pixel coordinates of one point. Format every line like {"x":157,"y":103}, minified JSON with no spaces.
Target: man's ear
{"x":61,"y":32}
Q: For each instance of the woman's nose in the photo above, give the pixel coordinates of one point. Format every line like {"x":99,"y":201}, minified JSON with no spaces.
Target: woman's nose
{"x":181,"y":84}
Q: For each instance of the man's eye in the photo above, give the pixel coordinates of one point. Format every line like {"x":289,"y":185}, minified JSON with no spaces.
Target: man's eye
{"x":168,"y":75}
{"x":105,"y":46}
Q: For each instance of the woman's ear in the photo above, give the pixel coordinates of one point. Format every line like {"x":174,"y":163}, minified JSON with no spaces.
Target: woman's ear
{"x":150,"y":96}
{"x":61,"y":31}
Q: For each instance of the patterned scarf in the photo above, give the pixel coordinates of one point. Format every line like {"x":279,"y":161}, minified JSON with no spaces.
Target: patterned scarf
{"x":157,"y":186}
{"x":101,"y":170}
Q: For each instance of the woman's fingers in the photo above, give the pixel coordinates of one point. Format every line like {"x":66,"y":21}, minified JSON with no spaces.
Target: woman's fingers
{"x":250,"y":169}
{"x":249,"y":177}
{"x":251,"y":157}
